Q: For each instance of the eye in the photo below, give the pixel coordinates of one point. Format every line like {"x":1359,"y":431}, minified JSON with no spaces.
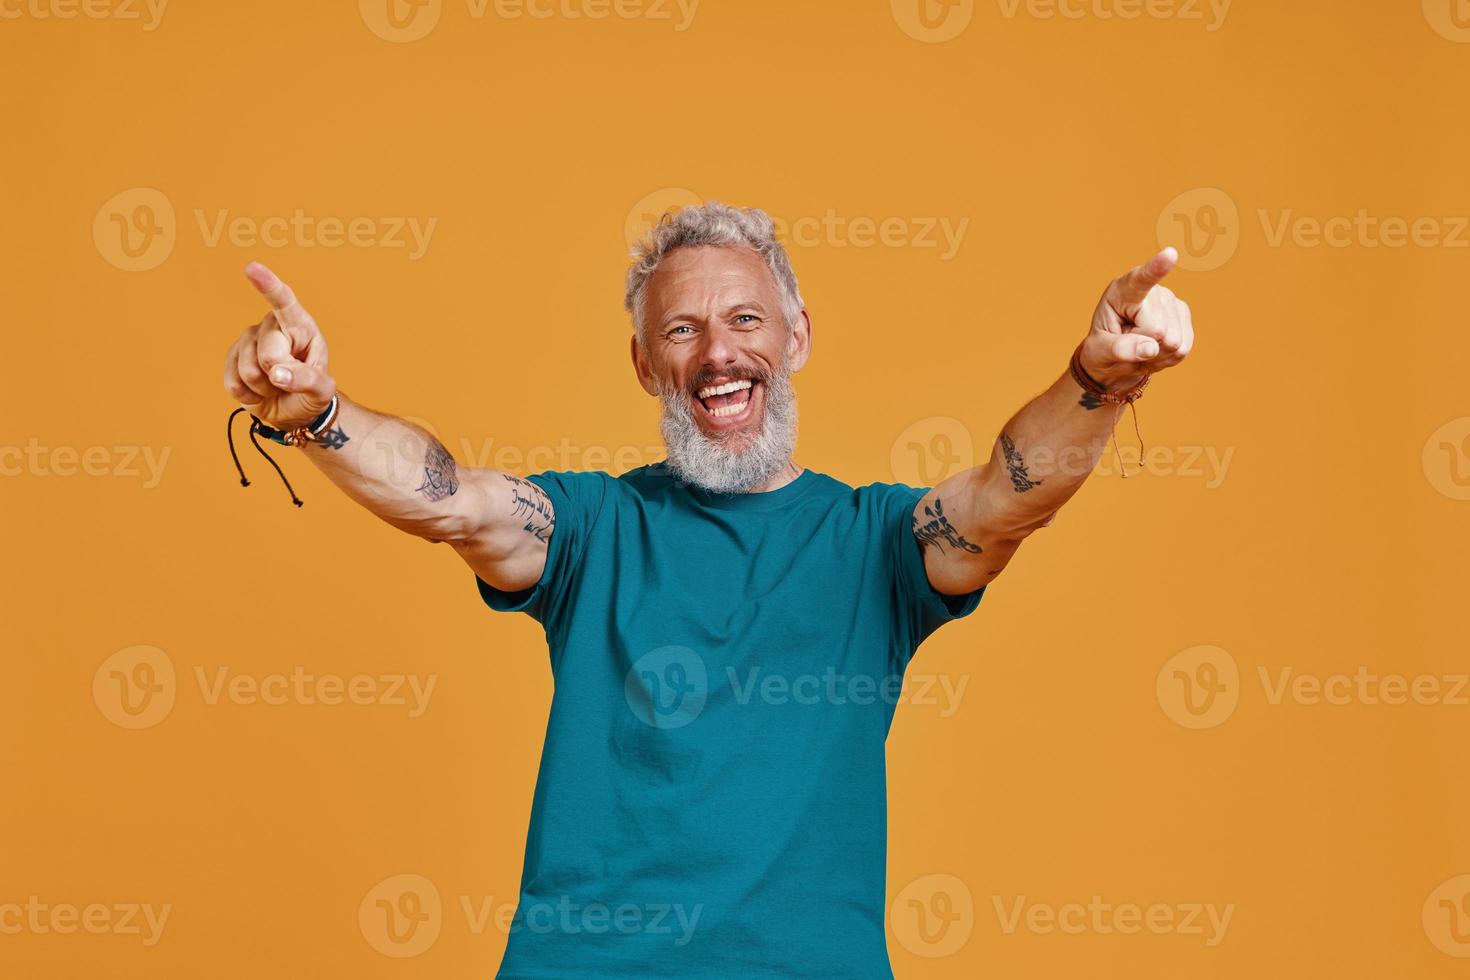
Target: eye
{"x":683,"y":326}
{"x":747,"y":317}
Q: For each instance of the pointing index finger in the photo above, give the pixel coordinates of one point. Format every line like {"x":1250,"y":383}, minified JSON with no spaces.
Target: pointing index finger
{"x":288,"y":308}
{"x":1134,"y":287}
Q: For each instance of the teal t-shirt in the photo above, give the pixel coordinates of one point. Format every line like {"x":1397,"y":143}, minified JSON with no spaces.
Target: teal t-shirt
{"x":711,"y":801}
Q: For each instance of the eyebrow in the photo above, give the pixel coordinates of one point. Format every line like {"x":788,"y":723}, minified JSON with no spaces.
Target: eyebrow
{"x":727,"y":313}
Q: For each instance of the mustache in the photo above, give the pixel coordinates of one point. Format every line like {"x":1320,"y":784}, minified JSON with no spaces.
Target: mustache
{"x":708,"y":376}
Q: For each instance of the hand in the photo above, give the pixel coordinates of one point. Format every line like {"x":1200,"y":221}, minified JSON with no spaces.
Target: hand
{"x":1139,"y":327}
{"x":278,"y":367}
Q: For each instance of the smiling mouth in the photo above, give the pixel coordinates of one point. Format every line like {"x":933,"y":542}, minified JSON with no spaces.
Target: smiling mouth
{"x":728,"y":402}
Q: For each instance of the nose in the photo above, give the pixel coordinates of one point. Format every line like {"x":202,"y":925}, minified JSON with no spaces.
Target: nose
{"x":717,"y":352}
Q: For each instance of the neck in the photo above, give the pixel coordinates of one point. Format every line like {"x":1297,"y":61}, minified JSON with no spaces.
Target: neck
{"x":788,"y":473}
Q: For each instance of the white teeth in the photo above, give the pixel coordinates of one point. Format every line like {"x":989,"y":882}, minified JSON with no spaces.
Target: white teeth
{"x":728,"y":410}
{"x":723,"y":389}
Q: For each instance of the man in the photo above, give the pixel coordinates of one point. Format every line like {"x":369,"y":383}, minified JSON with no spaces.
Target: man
{"x":727,"y":629}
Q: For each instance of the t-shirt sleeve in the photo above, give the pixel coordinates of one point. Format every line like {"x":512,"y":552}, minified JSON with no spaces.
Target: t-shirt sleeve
{"x":577,"y":500}
{"x":921,"y":609}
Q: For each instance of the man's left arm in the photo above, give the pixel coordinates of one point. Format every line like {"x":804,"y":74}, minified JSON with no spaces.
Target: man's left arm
{"x":970,"y":525}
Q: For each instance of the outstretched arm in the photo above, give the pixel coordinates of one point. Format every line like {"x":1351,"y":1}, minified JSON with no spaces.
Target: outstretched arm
{"x":498,"y":523}
{"x":970,"y":525}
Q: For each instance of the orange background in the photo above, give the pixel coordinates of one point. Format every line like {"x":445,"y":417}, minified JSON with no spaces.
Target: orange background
{"x":1332,"y":542}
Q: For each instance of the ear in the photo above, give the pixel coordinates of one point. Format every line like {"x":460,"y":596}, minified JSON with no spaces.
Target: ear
{"x":799,"y":344}
{"x":641,"y":365}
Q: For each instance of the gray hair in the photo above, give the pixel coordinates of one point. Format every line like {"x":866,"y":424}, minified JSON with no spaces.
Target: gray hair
{"x":710,"y":225}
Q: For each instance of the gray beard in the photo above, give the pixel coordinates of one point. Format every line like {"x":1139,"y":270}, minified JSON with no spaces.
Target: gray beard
{"x":738,"y":463}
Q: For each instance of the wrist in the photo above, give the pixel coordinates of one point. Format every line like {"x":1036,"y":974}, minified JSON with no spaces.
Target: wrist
{"x":1123,"y":384}
{"x":312,"y":430}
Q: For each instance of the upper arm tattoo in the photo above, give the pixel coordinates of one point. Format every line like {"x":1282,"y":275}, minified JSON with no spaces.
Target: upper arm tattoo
{"x":1016,"y":466}
{"x":530,"y":504}
{"x":938,"y":531}
{"x":441,"y":474}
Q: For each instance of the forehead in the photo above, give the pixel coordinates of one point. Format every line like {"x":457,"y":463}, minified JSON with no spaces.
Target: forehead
{"x":692,"y":274}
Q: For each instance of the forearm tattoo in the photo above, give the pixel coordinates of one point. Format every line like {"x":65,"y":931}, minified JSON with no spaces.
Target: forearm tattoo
{"x":441,"y":475}
{"x":333,"y":438}
{"x":938,"y":531}
{"x":1016,"y":466}
{"x":531,"y":505}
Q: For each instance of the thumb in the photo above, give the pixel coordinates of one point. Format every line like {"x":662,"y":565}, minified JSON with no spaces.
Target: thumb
{"x":307,"y":380}
{"x":1132,"y":348}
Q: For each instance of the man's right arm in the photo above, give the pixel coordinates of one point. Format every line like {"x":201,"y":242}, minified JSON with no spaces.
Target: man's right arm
{"x":499,"y":524}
